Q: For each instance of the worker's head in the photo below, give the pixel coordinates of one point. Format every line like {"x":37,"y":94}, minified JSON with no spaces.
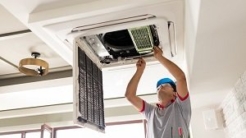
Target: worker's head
{"x":166,"y":89}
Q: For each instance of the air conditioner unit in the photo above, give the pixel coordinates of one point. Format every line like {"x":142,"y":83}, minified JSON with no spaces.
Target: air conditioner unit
{"x":119,"y":38}
{"x":123,"y":41}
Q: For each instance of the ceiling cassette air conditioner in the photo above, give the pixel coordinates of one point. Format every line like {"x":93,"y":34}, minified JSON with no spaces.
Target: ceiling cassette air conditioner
{"x":114,"y":37}
{"x":123,"y":41}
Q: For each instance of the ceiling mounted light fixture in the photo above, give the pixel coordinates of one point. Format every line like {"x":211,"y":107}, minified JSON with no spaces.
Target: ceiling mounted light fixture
{"x":42,"y":66}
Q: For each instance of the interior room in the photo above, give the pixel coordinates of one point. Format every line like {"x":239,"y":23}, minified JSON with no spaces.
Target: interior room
{"x":40,"y":64}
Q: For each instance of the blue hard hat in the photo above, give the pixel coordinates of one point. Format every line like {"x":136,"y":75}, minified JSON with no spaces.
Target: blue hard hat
{"x":166,"y":80}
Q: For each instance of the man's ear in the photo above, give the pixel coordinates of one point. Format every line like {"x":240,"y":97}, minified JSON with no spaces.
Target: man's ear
{"x":175,"y":94}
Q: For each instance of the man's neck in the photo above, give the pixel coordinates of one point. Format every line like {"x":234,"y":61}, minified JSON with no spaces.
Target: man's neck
{"x":165,"y":102}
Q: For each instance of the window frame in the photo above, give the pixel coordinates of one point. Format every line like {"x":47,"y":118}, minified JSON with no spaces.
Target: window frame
{"x":107,"y":124}
{"x":23,"y":133}
{"x":48,"y":128}
{"x":54,"y":130}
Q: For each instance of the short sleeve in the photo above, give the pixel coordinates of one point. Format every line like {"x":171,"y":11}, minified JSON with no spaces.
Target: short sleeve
{"x":185,"y":106}
{"x":147,"y":109}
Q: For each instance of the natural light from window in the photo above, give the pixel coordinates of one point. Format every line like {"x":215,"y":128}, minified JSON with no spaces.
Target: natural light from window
{"x":11,"y":136}
{"x":33,"y":135}
{"x":47,"y":134}
{"x":135,"y":130}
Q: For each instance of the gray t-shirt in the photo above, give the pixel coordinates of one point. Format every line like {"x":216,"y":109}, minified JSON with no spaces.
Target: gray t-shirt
{"x":170,"y":122}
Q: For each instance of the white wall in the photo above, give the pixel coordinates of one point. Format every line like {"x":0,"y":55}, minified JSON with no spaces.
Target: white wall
{"x":198,"y":130}
{"x":198,"y":127}
{"x":192,"y":10}
{"x":234,"y":109}
{"x":231,"y":115}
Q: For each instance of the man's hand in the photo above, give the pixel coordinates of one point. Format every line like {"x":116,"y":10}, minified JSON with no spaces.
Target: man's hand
{"x":141,"y":64}
{"x":178,"y":74}
{"x":157,"y":52}
{"x":133,"y":84}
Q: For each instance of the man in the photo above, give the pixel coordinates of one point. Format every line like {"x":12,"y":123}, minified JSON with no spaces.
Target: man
{"x":171,"y":117}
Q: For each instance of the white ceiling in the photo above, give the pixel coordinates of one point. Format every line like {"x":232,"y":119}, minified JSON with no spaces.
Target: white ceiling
{"x":16,"y":46}
{"x":214,"y":42}
{"x":220,"y":51}
{"x":43,"y":5}
{"x":9,"y":23}
{"x":20,"y":47}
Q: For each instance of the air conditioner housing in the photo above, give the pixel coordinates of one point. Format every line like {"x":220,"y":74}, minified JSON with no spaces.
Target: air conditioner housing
{"x":93,"y":34}
{"x":123,"y":43}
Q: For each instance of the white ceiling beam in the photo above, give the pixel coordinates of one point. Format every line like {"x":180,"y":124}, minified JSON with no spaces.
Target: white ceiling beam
{"x":61,"y":108}
{"x":22,"y":79}
{"x":36,"y":111}
{"x":87,"y":9}
{"x":118,"y":114}
{"x":36,"y":85}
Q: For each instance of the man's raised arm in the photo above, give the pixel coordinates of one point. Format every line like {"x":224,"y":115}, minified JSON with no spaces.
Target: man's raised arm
{"x":177,"y":73}
{"x":133,"y":84}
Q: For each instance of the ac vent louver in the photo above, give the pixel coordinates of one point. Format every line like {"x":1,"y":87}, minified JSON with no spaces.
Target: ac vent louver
{"x":90,"y":93}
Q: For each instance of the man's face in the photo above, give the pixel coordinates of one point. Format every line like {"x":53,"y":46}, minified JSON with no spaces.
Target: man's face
{"x":165,"y":91}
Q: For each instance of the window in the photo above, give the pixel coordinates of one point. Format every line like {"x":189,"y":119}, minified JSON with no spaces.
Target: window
{"x":11,"y":136}
{"x":132,"y":130}
{"x":33,"y":135}
{"x":135,"y":130}
{"x":46,"y":131}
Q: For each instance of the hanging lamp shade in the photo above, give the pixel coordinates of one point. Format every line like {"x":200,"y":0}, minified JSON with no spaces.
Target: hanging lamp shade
{"x":42,"y":66}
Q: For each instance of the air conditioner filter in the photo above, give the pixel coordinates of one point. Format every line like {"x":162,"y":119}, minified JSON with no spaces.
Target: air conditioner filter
{"x":91,"y":106}
{"x":142,"y":38}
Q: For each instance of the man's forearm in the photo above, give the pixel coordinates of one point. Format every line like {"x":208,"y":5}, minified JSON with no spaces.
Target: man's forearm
{"x":133,"y":84}
{"x":172,"y":68}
